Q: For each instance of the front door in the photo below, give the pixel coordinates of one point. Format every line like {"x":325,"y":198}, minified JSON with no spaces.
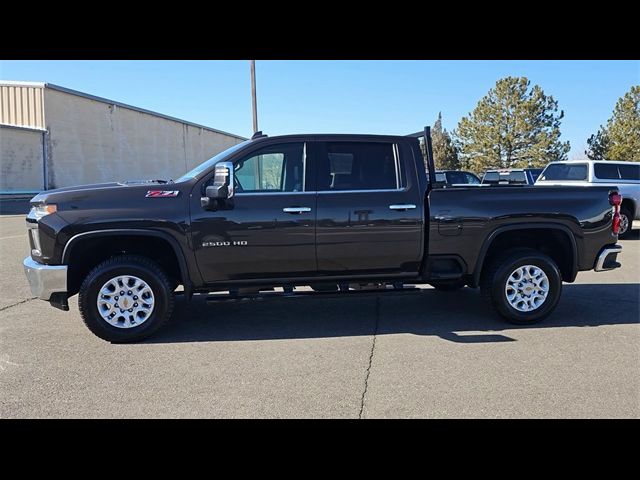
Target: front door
{"x":270,"y":230}
{"x":370,"y":211}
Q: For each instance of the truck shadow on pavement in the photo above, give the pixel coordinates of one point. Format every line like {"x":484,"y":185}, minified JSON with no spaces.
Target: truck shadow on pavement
{"x":459,"y":317}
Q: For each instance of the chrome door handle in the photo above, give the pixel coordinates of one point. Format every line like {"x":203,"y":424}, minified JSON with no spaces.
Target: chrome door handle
{"x":403,"y":206}
{"x":296,"y":209}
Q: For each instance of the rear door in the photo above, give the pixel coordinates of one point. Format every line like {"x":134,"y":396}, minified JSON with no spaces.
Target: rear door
{"x":369,"y":208}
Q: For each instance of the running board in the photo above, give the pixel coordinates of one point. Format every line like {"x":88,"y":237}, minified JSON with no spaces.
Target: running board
{"x":229,"y":297}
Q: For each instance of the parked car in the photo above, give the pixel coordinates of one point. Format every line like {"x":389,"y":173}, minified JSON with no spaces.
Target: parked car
{"x":623,"y":175}
{"x":300,"y":210}
{"x":450,"y":178}
{"x":511,"y":176}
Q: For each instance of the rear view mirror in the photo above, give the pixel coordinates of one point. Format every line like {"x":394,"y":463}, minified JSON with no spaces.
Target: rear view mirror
{"x":222,"y":187}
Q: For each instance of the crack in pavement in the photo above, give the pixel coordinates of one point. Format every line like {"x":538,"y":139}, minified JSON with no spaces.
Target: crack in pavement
{"x":18,"y":303}
{"x":368,"y":371}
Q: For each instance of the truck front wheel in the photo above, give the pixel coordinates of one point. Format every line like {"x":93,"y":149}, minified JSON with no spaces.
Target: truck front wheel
{"x":126,"y":299}
{"x":523,"y":286}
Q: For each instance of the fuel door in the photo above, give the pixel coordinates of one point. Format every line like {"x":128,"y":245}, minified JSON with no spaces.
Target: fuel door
{"x":448,"y":225}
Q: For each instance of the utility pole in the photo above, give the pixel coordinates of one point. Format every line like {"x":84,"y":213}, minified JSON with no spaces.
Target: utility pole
{"x":254,"y":101}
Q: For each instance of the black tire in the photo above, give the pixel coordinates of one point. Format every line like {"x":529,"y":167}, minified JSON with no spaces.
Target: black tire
{"x":448,"y":285}
{"x":494,"y":281}
{"x":135,"y":265}
{"x":625,"y":212}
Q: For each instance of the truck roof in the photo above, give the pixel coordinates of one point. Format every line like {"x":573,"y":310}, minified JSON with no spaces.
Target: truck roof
{"x":332,"y":136}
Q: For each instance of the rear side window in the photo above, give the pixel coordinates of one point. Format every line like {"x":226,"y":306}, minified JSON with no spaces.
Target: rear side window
{"x":629,"y":172}
{"x":357,"y":166}
{"x":565,"y":172}
{"x":606,"y":171}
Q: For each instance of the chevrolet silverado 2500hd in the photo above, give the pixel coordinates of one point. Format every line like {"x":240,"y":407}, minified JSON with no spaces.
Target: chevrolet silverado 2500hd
{"x":319,"y":210}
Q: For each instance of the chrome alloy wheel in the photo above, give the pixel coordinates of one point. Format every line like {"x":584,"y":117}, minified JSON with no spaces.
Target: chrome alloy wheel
{"x":125,"y":301}
{"x":527,"y":288}
{"x":624,"y":224}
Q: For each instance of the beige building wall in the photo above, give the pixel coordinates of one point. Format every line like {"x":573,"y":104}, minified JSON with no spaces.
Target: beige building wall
{"x":22,"y":105}
{"x":91,"y":141}
{"x":21,"y":160}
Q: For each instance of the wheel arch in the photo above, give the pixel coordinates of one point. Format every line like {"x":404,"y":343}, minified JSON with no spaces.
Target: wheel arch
{"x":571,"y":268}
{"x":79,"y":239}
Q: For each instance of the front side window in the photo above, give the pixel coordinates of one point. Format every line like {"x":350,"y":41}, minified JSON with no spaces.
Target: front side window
{"x":357,"y":166}
{"x":277,"y":168}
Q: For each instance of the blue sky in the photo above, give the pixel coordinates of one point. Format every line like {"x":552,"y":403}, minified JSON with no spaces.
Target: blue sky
{"x":394,"y":97}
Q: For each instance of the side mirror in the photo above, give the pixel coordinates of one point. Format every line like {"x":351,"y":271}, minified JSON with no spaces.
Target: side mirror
{"x":222,"y":188}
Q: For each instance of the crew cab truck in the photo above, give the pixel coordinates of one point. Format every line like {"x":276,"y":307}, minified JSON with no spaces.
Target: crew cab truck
{"x":319,"y":210}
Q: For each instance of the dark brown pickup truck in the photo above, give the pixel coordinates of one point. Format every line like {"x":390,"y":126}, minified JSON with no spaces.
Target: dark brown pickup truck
{"x":330,"y":211}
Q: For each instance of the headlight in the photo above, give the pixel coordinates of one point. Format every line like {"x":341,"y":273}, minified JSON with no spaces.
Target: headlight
{"x":40,"y":211}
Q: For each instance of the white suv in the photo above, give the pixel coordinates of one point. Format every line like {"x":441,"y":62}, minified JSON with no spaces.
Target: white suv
{"x":624,"y":175}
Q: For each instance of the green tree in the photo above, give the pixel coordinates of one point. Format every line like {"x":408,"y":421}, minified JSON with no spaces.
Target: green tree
{"x":512,"y":126}
{"x":445,"y":153}
{"x":620,"y":139}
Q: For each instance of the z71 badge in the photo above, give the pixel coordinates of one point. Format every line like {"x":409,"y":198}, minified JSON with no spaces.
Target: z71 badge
{"x":162,"y":193}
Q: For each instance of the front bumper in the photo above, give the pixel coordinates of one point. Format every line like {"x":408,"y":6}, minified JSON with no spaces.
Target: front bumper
{"x":607,"y":259}
{"x":45,"y":280}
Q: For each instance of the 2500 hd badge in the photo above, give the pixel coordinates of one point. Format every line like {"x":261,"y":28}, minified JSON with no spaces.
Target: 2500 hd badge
{"x":235,"y":243}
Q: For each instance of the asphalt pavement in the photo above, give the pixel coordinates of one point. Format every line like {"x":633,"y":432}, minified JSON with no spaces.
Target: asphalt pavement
{"x":416,"y":354}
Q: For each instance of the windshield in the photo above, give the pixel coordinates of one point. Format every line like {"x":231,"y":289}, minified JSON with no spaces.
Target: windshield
{"x":564,"y":172}
{"x":211,"y":162}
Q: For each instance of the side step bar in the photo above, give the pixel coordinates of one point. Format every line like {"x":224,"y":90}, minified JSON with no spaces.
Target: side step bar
{"x":292,"y":293}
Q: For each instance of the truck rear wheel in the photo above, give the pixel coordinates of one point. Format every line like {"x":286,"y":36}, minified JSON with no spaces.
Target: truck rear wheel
{"x":126,"y":299}
{"x":626,"y":220}
{"x":523,"y":286}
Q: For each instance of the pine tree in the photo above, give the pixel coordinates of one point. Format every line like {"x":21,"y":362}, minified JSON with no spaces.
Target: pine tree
{"x":512,"y":126}
{"x":445,"y":154}
{"x":620,"y":139}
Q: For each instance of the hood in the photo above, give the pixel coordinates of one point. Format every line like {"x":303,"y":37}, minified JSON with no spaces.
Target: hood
{"x":48,"y":196}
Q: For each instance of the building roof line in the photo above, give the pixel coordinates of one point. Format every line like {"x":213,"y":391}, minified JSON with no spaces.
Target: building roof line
{"x":19,"y":83}
{"x":113,"y":102}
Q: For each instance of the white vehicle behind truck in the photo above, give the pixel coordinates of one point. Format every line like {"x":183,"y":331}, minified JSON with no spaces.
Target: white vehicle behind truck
{"x":624,"y":175}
